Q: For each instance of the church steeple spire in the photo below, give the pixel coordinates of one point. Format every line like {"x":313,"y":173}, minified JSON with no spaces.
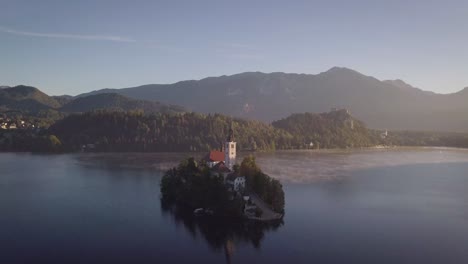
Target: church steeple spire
{"x":230,"y":137}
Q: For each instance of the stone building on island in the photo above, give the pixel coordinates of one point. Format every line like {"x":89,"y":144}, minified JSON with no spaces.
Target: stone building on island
{"x":223,"y":161}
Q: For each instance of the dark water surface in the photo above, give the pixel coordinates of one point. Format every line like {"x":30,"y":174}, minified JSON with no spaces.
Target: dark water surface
{"x":386,"y":206}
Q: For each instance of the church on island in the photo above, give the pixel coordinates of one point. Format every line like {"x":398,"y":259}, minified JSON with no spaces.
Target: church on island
{"x":223,"y":161}
{"x":218,"y":171}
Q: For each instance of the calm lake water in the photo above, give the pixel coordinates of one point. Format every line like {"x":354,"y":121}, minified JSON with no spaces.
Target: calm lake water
{"x":370,"y":206}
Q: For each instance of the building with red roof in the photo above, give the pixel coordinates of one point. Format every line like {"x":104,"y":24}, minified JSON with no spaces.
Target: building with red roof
{"x":214,"y":157}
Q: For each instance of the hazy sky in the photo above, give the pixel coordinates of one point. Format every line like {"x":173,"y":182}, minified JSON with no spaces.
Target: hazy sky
{"x":69,"y":47}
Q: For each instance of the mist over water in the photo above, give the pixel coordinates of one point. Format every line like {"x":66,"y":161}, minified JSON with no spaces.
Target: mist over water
{"x":310,"y":166}
{"x":294,"y":166}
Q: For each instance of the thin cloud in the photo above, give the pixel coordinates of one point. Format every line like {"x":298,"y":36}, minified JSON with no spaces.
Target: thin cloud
{"x":66,"y":36}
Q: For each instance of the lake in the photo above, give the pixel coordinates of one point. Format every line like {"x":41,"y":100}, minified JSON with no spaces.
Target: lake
{"x":358,"y":206}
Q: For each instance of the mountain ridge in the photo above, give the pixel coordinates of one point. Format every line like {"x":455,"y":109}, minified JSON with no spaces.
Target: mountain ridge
{"x":115,"y":102}
{"x":27,"y":98}
{"x":332,"y":69}
{"x":391,"y":104}
{"x":387,"y":104}
{"x":30,"y":100}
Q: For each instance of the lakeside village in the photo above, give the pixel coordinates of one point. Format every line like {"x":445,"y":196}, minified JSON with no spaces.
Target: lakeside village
{"x":7,"y":123}
{"x":218,"y":186}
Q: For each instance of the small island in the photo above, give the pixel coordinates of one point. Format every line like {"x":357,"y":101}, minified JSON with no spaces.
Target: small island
{"x":217,"y":186}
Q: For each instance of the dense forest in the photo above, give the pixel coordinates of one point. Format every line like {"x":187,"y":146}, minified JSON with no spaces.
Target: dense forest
{"x":336,"y":129}
{"x":29,"y":141}
{"x":268,"y":189}
{"x":135,"y":131}
{"x":192,"y":185}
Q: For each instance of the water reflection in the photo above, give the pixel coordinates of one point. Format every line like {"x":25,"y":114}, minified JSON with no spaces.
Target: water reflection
{"x":221,"y":234}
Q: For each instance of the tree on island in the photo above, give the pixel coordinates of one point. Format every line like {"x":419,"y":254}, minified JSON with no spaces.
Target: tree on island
{"x":268,"y":189}
{"x":193,"y":185}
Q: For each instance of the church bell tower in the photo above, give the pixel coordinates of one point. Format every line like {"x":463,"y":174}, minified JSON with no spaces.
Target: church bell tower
{"x":230,"y":150}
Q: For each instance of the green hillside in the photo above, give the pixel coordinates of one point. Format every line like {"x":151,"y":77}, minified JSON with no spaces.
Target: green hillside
{"x":336,"y":129}
{"x":26,"y":99}
{"x":134,"y":131}
{"x":115,"y":102}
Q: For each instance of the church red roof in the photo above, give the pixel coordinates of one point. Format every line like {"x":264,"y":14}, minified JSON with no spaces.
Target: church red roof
{"x":215,"y":155}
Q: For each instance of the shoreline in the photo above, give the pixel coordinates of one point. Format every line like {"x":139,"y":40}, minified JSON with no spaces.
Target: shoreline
{"x":324,"y":150}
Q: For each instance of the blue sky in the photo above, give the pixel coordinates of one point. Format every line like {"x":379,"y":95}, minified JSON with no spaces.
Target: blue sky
{"x":70,"y":47}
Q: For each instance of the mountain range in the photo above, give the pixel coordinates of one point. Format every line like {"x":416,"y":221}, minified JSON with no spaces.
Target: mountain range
{"x":31,"y":101}
{"x":389,"y":104}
